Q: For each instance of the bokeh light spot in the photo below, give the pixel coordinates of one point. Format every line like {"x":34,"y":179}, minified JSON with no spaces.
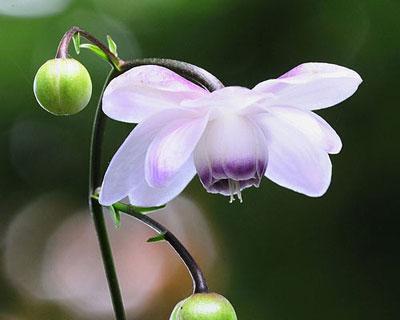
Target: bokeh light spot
{"x":32,"y":8}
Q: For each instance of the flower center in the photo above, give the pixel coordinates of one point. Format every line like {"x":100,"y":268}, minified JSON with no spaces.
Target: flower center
{"x":234,"y":189}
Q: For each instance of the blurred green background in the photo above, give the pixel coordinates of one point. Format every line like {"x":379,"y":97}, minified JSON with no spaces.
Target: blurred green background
{"x":279,"y":255}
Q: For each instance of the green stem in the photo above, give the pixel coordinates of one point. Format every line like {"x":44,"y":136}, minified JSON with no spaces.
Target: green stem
{"x":186,"y":70}
{"x":62,"y":50}
{"x":199,"y":281}
{"x":191,"y":72}
{"x":96,"y":209}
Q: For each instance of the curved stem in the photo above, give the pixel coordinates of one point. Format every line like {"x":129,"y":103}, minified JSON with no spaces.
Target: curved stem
{"x":62,"y":50}
{"x":199,"y":281}
{"x":97,"y":210}
{"x":186,"y":70}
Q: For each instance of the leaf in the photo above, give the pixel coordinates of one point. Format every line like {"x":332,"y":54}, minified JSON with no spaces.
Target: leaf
{"x":77,"y":42}
{"x":112,"y":45}
{"x":157,"y":238}
{"x":116,"y":216}
{"x":95,"y":49}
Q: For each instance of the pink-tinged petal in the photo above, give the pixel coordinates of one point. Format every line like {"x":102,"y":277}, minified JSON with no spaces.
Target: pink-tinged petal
{"x":295,"y":162}
{"x":126,"y":169}
{"x":312,"y":86}
{"x":146,"y":196}
{"x":172,"y":147}
{"x":310,"y":124}
{"x":145,"y":90}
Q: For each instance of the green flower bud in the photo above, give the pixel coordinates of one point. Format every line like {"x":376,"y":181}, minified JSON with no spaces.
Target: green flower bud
{"x":176,"y":311}
{"x":204,"y":306}
{"x":62,"y":86}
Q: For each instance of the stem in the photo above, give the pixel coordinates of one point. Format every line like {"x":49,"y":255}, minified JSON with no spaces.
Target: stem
{"x":192,"y":72}
{"x":97,"y":210}
{"x":186,"y":70}
{"x":189,"y":71}
{"x":199,"y":281}
{"x":62,"y":50}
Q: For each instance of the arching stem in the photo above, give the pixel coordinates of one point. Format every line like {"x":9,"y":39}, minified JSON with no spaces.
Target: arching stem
{"x":96,"y":145}
{"x":199,"y":281}
{"x":192,"y":73}
{"x":62,"y":50}
{"x":186,"y":70}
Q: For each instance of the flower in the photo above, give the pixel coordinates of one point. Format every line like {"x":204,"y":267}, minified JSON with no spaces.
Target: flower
{"x":231,"y":137}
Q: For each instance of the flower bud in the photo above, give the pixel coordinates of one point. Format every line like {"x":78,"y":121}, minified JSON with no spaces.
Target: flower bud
{"x":204,"y":306}
{"x":62,"y":86}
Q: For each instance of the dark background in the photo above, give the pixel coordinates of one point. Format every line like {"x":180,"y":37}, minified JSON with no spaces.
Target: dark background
{"x":281,"y":255}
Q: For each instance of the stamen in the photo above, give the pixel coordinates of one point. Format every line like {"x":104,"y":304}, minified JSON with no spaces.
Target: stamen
{"x":238,"y":192}
{"x":231,"y":191}
{"x":234,"y":189}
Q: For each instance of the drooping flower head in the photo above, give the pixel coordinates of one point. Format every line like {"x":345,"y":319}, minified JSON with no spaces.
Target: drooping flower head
{"x":231,"y":137}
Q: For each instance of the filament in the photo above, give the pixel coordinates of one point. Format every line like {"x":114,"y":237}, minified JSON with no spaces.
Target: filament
{"x":234,"y":189}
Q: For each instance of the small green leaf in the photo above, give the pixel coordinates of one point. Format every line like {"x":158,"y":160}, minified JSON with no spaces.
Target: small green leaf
{"x":77,"y":42}
{"x":157,"y":238}
{"x":95,"y":49}
{"x":112,"y":45}
{"x":96,"y":193}
{"x":115,"y":214}
{"x":147,"y":209}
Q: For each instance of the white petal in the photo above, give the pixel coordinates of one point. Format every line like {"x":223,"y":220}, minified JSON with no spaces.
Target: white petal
{"x":146,"y":196}
{"x":171,"y":148}
{"x":126,"y":169}
{"x":313,"y":126}
{"x":226,"y":100}
{"x":145,"y":90}
{"x":295,"y":162}
{"x":312,"y":86}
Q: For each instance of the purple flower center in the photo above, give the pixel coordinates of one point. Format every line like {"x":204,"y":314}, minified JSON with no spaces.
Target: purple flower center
{"x":231,"y":178}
